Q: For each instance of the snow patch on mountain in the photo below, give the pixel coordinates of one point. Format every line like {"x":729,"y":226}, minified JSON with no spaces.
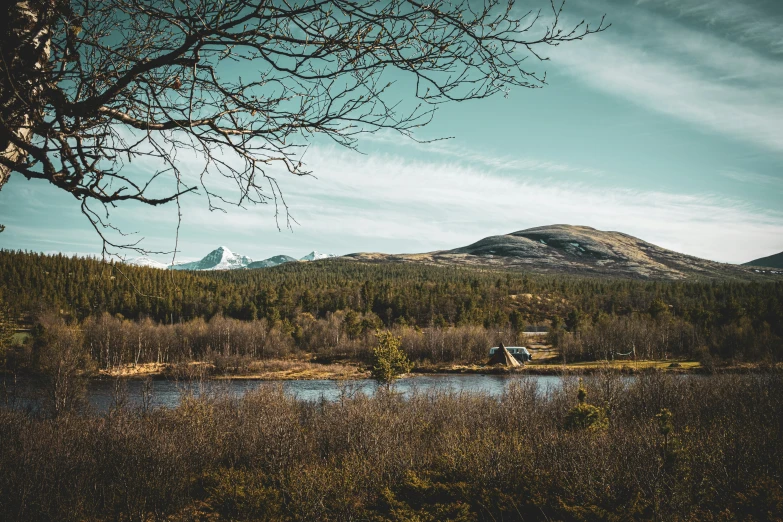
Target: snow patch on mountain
{"x":146,"y":262}
{"x":315,"y":256}
{"x":222,"y":258}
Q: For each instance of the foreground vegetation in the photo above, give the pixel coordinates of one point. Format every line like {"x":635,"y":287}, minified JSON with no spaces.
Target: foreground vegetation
{"x":658,"y":447}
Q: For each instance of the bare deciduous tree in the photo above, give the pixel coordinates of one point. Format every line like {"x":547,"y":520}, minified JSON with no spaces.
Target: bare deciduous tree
{"x":89,"y":86}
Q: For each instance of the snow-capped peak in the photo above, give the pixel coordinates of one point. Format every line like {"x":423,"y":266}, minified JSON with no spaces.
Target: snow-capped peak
{"x":222,"y":258}
{"x":315,"y":255}
{"x":146,"y":261}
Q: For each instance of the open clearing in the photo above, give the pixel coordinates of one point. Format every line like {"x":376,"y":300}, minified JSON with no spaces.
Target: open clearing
{"x":272,"y":370}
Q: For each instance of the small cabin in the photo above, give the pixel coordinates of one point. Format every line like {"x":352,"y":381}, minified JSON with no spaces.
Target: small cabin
{"x":520,"y":353}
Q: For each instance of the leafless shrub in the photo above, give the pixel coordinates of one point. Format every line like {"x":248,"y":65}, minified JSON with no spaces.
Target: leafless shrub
{"x":268,"y":456}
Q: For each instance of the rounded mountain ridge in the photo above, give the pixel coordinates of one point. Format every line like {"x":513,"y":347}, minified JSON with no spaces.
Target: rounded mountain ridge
{"x":579,"y":250}
{"x":567,"y":241}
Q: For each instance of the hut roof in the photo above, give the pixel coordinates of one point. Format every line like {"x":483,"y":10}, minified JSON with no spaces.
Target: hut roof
{"x":504,"y":357}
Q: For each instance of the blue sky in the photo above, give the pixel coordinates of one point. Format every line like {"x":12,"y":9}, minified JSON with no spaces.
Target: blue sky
{"x":668,"y":126}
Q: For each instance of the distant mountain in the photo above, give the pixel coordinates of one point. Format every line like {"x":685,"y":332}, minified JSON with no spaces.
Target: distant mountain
{"x":219,"y":259}
{"x":146,"y":261}
{"x":577,"y":250}
{"x":224,"y":259}
{"x":773,"y":261}
{"x":315,"y":256}
{"x":272,"y":261}
{"x":553,"y":249}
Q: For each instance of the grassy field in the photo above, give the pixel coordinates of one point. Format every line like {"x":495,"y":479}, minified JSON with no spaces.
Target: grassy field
{"x":636,"y":365}
{"x":545,"y":356}
{"x":295,"y":369}
{"x":270,"y":370}
{"x":20,"y":337}
{"x":291,"y":370}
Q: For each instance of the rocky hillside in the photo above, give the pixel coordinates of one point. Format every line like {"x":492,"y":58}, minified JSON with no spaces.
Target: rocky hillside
{"x":577,"y":250}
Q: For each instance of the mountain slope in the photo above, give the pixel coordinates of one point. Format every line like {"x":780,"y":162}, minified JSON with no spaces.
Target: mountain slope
{"x":577,"y":250}
{"x":272,"y":261}
{"x":773,"y":261}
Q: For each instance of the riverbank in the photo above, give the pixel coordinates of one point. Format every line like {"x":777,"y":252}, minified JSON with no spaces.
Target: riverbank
{"x":269,"y":370}
{"x":593,"y":367}
{"x":293,"y":369}
{"x":553,"y":368}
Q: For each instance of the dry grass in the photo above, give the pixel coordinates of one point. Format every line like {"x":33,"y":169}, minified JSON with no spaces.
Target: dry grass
{"x":142,"y":370}
{"x":625,"y":365}
{"x":547,"y":369}
{"x":271,"y":370}
{"x":662,"y":365}
{"x":290,"y":370}
{"x":542,"y":353}
{"x":19,"y":338}
{"x":546,"y":360}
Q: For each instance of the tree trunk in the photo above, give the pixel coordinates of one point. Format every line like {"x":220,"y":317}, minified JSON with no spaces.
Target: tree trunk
{"x":25,"y":46}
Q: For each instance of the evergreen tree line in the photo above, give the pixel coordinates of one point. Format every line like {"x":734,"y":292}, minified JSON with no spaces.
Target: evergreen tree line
{"x":332,"y":306}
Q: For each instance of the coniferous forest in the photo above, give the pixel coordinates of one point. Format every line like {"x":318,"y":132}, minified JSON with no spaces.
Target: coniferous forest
{"x":127,"y":314}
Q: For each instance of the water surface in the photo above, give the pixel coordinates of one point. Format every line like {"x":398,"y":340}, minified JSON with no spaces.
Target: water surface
{"x":102,"y":394}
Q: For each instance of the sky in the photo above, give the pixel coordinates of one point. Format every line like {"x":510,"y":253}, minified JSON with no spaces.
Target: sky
{"x":668,"y":126}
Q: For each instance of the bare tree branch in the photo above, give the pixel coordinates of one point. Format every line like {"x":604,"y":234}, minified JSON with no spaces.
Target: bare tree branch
{"x":87,"y":87}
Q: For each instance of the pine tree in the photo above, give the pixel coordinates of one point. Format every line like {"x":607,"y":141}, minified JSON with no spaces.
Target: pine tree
{"x":389,"y":361}
{"x":586,"y":416}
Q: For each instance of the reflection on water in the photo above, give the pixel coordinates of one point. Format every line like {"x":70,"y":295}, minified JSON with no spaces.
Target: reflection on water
{"x":169,"y":393}
{"x":162,"y":393}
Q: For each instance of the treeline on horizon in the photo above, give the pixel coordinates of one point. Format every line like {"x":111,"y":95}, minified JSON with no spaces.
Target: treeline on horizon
{"x":332,"y":307}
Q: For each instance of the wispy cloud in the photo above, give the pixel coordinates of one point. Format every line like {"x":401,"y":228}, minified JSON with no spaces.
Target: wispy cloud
{"x":688,"y":74}
{"x":758,"y":23}
{"x":753,"y":178}
{"x":419,"y":205}
{"x":448,"y":149}
{"x":394,"y":203}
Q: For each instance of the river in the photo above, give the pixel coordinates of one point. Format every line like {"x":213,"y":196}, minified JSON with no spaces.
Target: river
{"x":102,"y":394}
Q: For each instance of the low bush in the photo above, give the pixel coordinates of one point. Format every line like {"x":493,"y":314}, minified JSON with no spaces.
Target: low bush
{"x":674,"y":448}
